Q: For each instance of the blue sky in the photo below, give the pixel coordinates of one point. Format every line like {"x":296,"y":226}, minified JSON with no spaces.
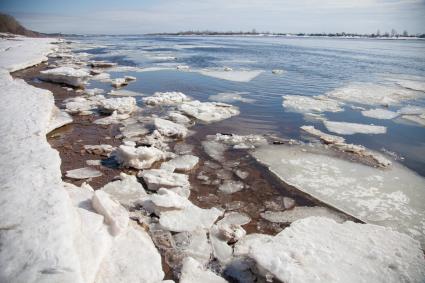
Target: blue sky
{"x":145,"y":16}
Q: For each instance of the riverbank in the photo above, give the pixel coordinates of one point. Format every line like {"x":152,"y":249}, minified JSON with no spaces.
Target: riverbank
{"x":177,"y":203}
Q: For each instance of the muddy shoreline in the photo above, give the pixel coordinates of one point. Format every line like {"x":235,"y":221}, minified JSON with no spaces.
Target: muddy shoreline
{"x":263,"y":190}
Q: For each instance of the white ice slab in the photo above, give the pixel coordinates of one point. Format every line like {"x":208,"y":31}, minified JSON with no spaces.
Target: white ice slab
{"x":208,"y":112}
{"x":66,"y":75}
{"x":232,"y":75}
{"x":307,"y":104}
{"x":345,"y":128}
{"x":229,"y":97}
{"x":392,"y":197}
{"x":379,"y":113}
{"x":318,"y":249}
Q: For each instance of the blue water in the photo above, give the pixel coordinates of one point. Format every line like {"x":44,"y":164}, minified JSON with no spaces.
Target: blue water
{"x":313,"y":66}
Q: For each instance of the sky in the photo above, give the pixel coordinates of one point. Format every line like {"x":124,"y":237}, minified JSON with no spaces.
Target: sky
{"x":150,"y":16}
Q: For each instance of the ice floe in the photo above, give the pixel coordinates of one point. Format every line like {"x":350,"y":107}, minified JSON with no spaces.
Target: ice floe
{"x":157,"y":178}
{"x":116,"y":216}
{"x":58,"y":119}
{"x":181,"y":163}
{"x":208,"y":112}
{"x":123,"y":105}
{"x":66,"y":75}
{"x":166,"y":98}
{"x":366,"y":156}
{"x":373,"y":94}
{"x":127,"y":190}
{"x":214,"y":149}
{"x":125,"y":92}
{"x":194,"y":244}
{"x":114,"y":118}
{"x":300,"y":212}
{"x":170,"y":129}
{"x":101,"y":64}
{"x":232,"y":75}
{"x":380,"y":114}
{"x":194,"y":272}
{"x":132,"y":258}
{"x":345,"y":128}
{"x":83,"y":173}
{"x":392,"y":197}
{"x":239,"y":141}
{"x":231,"y":97}
{"x":306,"y":104}
{"x":139,"y":157}
{"x":347,"y":252}
{"x":230,"y":187}
{"x":101,"y":149}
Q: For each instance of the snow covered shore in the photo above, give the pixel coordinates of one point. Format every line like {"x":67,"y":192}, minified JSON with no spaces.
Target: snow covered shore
{"x":53,"y":231}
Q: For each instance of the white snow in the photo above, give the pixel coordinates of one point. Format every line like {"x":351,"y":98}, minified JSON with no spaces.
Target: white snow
{"x":306,"y":104}
{"x":83,"y":173}
{"x":231,"y":97}
{"x":127,"y":190}
{"x":165,"y":98}
{"x":379,"y":113}
{"x":318,"y":249}
{"x":139,"y":157}
{"x":208,"y":112}
{"x":345,"y":128}
{"x":301,"y":212}
{"x":372,"y":94}
{"x":170,"y":129}
{"x":115,"y":215}
{"x":194,"y":272}
{"x":232,"y":75}
{"x":66,"y":75}
{"x":392,"y":197}
{"x":123,"y":105}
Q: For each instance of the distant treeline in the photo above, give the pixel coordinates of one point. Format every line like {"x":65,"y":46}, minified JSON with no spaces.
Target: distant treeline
{"x":378,"y":34}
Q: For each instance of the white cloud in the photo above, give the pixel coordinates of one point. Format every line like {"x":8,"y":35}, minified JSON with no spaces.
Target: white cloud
{"x":272,"y":15}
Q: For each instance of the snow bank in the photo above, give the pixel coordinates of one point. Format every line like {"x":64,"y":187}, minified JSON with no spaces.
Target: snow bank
{"x":23,"y":52}
{"x":37,"y":215}
{"x":66,"y":75}
{"x":208,"y":112}
{"x":392,"y":197}
{"x":345,"y":128}
{"x":318,"y":249}
{"x":231,"y":75}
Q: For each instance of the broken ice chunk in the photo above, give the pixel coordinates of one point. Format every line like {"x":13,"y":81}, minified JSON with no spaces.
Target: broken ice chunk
{"x":83,"y":173}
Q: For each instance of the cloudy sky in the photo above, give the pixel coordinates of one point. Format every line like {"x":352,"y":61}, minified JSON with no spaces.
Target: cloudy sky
{"x":146,"y":16}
